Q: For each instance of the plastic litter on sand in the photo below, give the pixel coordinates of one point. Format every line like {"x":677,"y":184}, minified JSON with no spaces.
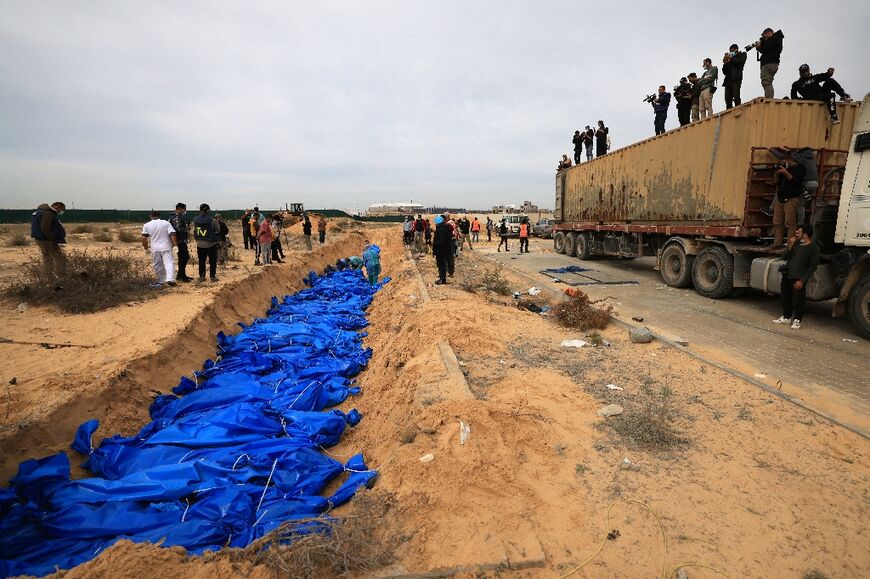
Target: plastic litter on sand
{"x":464,"y":432}
{"x":573,"y":343}
{"x":227,"y":458}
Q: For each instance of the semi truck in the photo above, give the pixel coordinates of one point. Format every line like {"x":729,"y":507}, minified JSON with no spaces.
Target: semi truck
{"x":697,"y":198}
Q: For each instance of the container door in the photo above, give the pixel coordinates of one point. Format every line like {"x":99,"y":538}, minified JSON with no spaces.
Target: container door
{"x":560,"y":186}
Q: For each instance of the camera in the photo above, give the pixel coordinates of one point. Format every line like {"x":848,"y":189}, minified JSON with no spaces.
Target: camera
{"x":753,"y":45}
{"x":779,"y":165}
{"x":650,"y":98}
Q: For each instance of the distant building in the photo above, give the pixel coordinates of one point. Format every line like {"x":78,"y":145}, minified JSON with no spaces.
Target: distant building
{"x":527,"y":207}
{"x":395,"y":208}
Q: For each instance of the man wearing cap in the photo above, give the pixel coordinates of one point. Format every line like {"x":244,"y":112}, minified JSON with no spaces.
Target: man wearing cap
{"x":182,"y":229}
{"x":206,"y":232}
{"x":819,"y":87}
{"x":158,"y":238}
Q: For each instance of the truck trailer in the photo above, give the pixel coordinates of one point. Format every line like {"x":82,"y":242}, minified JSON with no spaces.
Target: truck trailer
{"x":697,"y":199}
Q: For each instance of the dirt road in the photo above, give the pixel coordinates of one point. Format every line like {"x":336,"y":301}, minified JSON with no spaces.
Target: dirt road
{"x":825,"y":363}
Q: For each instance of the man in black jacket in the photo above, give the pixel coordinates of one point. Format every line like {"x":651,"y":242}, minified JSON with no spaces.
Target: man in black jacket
{"x":442,"y":247}
{"x":49,"y":233}
{"x":801,"y":260}
{"x":578,"y":147}
{"x":696,"y":96}
{"x":769,"y":48}
{"x":732,"y":70}
{"x":819,"y":87}
{"x":602,"y":134}
{"x":790,"y":177}
{"x":660,"y":105}
{"x":683,"y":96}
{"x":182,"y":234}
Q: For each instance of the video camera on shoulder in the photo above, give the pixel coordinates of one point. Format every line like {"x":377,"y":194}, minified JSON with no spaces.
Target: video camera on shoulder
{"x":650,"y":98}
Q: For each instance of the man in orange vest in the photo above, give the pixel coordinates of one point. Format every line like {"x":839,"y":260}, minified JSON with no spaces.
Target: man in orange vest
{"x":475,"y":230}
{"x":524,"y":235}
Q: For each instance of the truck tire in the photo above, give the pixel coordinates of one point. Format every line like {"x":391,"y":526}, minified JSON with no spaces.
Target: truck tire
{"x":676,"y":266}
{"x":581,"y":246}
{"x":569,"y":244}
{"x":713,"y":272}
{"x":559,"y":242}
{"x":859,"y":306}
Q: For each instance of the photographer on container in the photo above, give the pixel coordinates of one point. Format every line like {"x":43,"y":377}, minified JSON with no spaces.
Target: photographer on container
{"x":708,"y":87}
{"x":660,"y":104}
{"x":790,"y":186}
{"x":801,"y":260}
{"x":683,"y":96}
{"x":588,"y":137}
{"x":564,"y":163}
{"x":769,"y":48}
{"x":732,"y":71}
{"x":819,"y":87}
{"x":602,"y":139}
{"x":578,"y":147}
{"x":696,"y":96}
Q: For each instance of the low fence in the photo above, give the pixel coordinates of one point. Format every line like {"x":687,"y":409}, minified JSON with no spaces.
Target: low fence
{"x":141,"y":216}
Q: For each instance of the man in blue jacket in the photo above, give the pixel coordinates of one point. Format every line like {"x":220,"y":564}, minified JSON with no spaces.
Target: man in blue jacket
{"x":48,"y":231}
{"x":660,"y":105}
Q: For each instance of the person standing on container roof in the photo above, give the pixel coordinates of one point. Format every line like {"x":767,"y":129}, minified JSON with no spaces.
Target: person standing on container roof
{"x":372,"y":257}
{"x":442,"y":248}
{"x":158,"y":238}
{"x":660,"y":107}
{"x":769,"y":48}
{"x":696,"y":96}
{"x":801,"y":260}
{"x":790,"y":177}
{"x":206,"y":232}
{"x":683,"y":96}
{"x":708,"y":87}
{"x":48,"y":231}
{"x":732,"y":71}
{"x":819,"y":87}
{"x":588,"y":138}
{"x":578,"y":147}
{"x":602,"y":139}
{"x":182,"y":235}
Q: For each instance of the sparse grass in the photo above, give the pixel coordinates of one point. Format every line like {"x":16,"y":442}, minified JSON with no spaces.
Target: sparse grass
{"x":815,"y":574}
{"x":492,"y":280}
{"x":595,"y":338}
{"x":648,"y":420}
{"x":127,"y":236}
{"x":103,"y":237}
{"x":577,"y":311}
{"x":83,"y":228}
{"x":580,"y":469}
{"x":356,"y":545}
{"x":94,"y":281}
{"x":18,"y":240}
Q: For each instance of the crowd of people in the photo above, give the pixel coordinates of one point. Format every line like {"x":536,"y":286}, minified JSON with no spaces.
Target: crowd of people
{"x":693,"y":96}
{"x":451,"y":235}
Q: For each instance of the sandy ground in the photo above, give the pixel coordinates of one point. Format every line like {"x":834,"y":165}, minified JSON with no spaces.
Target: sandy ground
{"x":760,"y":488}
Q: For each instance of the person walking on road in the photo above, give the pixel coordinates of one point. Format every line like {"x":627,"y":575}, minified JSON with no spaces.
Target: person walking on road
{"x":182,"y":235}
{"x":525,"y":230}
{"x":321,"y":230}
{"x":306,"y":232}
{"x":158,"y":239}
{"x":503,"y":233}
{"x":801,"y":259}
{"x":442,"y":248}
{"x":206,"y":232}
{"x":49,"y":233}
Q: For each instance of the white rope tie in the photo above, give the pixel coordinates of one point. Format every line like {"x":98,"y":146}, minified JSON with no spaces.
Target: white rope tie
{"x":265,"y":488}
{"x":184,"y":514}
{"x":238,"y":459}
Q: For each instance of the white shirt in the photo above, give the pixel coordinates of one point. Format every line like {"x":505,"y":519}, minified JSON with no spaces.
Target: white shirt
{"x":158,"y":232}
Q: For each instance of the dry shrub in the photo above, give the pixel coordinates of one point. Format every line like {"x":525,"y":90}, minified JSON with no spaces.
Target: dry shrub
{"x":18,"y":240}
{"x":84,"y":228}
{"x":356,"y":545}
{"x":493,"y":281}
{"x":103,"y":236}
{"x":127,"y":236}
{"x":578,"y":311}
{"x":93,"y":282}
{"x":648,"y":420}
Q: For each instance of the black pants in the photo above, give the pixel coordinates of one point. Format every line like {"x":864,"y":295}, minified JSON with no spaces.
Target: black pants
{"x":578,"y":155}
{"x":441,"y":261}
{"x":830,"y":101}
{"x":183,"y":258}
{"x":524,"y":243}
{"x":246,"y":235}
{"x":322,"y":237}
{"x":211,"y":253}
{"x":277,"y":250}
{"x":661,"y":117}
{"x":488,"y":235}
{"x":504,"y":240}
{"x":451,"y":262}
{"x":732,"y":93}
{"x":683,"y":113}
{"x":792,"y":299}
{"x":600,"y":149}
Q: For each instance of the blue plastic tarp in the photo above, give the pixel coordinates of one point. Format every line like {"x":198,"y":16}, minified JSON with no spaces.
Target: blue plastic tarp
{"x":226,"y":458}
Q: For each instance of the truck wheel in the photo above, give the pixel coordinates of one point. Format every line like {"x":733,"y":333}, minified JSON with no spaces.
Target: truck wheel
{"x":581,"y":246}
{"x":676,"y":266}
{"x":713,"y":272}
{"x":569,"y":244}
{"x":559,"y":242}
{"x":859,"y":306}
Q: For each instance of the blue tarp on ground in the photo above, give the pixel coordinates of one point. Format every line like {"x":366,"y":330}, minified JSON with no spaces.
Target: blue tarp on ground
{"x":226,"y":458}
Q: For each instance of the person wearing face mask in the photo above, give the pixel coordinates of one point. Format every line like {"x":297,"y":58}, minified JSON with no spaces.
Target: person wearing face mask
{"x":182,"y":233}
{"x":48,"y":231}
{"x":708,"y":87}
{"x":732,"y":71}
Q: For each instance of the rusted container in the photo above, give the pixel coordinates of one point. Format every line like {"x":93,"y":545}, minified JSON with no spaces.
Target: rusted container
{"x":701,"y":174}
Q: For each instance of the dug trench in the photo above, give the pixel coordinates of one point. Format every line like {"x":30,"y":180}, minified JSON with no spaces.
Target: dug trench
{"x":505,"y":468}
{"x":58,"y":389}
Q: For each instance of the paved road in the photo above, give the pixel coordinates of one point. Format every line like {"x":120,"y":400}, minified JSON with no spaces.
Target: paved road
{"x":825,"y":363}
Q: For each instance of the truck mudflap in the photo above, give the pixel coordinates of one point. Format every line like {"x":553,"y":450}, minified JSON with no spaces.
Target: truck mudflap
{"x":764,"y":275}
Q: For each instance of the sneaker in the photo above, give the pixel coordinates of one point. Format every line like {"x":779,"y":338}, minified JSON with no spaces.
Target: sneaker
{"x":782,"y":320}
{"x":846,"y":99}
{"x":440,"y":282}
{"x":214,"y":279}
{"x":171,"y":283}
{"x":796,"y":324}
{"x":185,"y":279}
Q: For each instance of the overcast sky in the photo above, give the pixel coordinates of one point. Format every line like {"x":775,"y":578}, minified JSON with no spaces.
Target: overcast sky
{"x":341,"y":104}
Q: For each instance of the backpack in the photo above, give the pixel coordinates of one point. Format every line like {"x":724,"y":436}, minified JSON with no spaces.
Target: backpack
{"x":205,"y":228}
